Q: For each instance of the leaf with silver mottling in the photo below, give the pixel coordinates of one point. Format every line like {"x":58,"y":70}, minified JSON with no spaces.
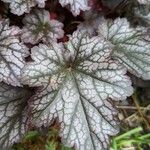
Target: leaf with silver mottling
{"x":12,"y":53}
{"x":78,"y":80}
{"x":130,"y":46}
{"x":13,"y":114}
{"x":39,"y":27}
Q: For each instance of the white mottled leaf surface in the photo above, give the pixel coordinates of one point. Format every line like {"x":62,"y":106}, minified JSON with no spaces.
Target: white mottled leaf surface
{"x":19,"y":7}
{"x":130,"y":46}
{"x":39,"y":27}
{"x":78,"y":88}
{"x":75,"y":5}
{"x":12,"y":53}
{"x":46,"y":63}
{"x":13,"y":102}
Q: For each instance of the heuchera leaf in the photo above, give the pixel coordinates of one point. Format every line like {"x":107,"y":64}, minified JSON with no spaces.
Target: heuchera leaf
{"x":12,"y":53}
{"x":19,"y":7}
{"x":75,"y":5}
{"x":78,"y":80}
{"x":13,"y":111}
{"x":39,"y":27}
{"x":131,"y":47}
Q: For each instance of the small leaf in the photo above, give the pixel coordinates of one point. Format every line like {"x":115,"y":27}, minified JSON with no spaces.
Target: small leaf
{"x":13,"y":114}
{"x":22,"y":6}
{"x":76,"y":5}
{"x":78,"y":80}
{"x":12,"y":54}
{"x":39,"y":27}
{"x":131,"y":46}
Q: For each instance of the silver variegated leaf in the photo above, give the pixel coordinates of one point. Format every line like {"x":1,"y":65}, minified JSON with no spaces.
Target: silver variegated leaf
{"x":46,"y":63}
{"x":39,"y":27}
{"x":79,"y":80}
{"x":13,"y":111}
{"x":19,"y":7}
{"x":12,"y":53}
{"x":130,"y":46}
{"x":75,"y":5}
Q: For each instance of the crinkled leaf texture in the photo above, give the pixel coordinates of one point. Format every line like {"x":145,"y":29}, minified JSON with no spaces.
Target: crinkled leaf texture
{"x":12,"y":53}
{"x":39,"y":27}
{"x":13,"y":102}
{"x":19,"y":7}
{"x":79,"y":80}
{"x":131,"y":46}
{"x":76,"y":5}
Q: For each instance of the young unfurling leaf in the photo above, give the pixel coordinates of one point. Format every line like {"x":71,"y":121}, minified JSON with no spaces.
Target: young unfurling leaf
{"x":39,"y":27}
{"x":78,"y":80}
{"x":131,"y":46}
{"x":13,"y":114}
{"x":12,"y":53}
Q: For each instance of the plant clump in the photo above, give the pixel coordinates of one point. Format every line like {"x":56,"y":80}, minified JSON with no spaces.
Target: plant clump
{"x":69,"y":61}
